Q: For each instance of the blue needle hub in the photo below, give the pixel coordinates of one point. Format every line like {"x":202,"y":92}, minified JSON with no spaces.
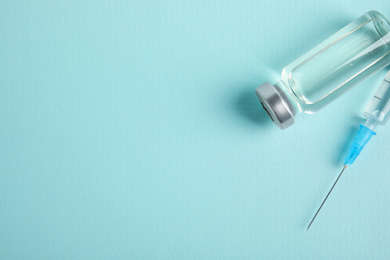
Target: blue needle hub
{"x":363,"y":136}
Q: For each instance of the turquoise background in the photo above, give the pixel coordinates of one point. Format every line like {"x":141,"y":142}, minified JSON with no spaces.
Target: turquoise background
{"x":131,"y":130}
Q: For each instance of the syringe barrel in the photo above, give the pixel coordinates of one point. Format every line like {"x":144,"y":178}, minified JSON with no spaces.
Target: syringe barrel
{"x":378,"y":109}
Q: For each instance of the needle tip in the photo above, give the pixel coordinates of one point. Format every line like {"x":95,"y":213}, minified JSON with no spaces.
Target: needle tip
{"x":311,"y":222}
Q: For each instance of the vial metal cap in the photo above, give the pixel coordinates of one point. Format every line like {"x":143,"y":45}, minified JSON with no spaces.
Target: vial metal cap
{"x":276,"y":104}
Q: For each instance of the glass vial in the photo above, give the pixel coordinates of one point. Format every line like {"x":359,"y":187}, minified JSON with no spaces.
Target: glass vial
{"x":352,"y":54}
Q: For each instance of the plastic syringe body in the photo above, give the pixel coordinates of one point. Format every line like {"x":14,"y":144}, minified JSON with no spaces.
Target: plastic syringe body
{"x":377,"y":113}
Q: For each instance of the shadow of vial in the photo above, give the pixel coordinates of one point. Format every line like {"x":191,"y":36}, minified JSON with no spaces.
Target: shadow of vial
{"x":248,"y":106}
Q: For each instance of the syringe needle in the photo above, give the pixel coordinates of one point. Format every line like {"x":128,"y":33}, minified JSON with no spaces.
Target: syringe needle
{"x":334,"y":184}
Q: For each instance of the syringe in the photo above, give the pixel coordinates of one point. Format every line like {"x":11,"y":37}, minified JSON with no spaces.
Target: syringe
{"x":377,"y":113}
